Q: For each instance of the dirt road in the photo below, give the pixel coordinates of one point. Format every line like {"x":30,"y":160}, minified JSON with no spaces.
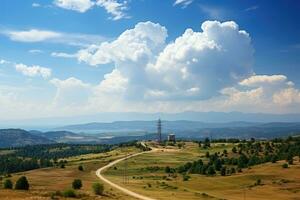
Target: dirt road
{"x":131,"y":193}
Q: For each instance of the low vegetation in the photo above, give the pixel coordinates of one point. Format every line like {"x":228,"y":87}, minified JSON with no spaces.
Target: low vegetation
{"x":245,"y":154}
{"x":98,"y":188}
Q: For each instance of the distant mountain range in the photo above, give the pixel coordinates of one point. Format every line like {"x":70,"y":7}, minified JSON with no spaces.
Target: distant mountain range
{"x":123,"y":131}
{"x":190,"y":129}
{"x":213,"y":117}
{"x":150,"y":126}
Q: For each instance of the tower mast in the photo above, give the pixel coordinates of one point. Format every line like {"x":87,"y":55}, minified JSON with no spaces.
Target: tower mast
{"x":159,"y":130}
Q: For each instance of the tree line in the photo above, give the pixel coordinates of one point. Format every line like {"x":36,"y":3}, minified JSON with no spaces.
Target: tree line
{"x":47,"y":155}
{"x":244,"y":154}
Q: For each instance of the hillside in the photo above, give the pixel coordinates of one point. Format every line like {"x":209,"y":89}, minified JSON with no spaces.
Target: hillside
{"x":147,"y":172}
{"x":19,"y":137}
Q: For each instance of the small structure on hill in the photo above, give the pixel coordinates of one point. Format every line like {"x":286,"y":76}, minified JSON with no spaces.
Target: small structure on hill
{"x":171,"y":138}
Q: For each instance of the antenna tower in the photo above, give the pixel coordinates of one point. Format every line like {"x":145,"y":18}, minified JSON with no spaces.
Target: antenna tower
{"x":159,"y":130}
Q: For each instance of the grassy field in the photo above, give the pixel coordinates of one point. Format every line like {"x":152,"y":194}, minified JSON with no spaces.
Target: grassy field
{"x":43,"y":182}
{"x":146,"y":176}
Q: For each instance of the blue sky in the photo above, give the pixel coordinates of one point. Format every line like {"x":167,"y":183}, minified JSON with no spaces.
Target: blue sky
{"x":76,"y":57}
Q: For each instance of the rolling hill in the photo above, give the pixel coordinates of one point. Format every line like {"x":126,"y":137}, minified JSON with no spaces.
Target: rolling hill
{"x":19,"y":137}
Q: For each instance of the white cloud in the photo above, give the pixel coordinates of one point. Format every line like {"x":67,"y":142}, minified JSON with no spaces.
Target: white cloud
{"x":76,"y":5}
{"x":70,"y":92}
{"x":32,"y":35}
{"x":35,"y":51}
{"x":287,"y":96}
{"x":63,"y":55}
{"x":263,"y":93}
{"x":218,"y":57}
{"x":2,"y":61}
{"x":183,"y":3}
{"x":37,"y":35}
{"x":196,"y":65}
{"x":252,"y":8}
{"x":133,"y":45}
{"x":36,"y":5}
{"x":115,"y":8}
{"x":33,"y":71}
{"x":258,"y":80}
{"x":113,"y":82}
{"x":205,"y":70}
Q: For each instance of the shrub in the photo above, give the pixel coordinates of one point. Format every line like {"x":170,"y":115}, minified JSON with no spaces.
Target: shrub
{"x":69,"y":193}
{"x":8,"y":184}
{"x":258,"y":182}
{"x":186,"y":177}
{"x":77,"y":184}
{"x":98,"y":188}
{"x":223,"y":171}
{"x":80,"y":168}
{"x":211,"y":170}
{"x":22,"y":184}
{"x":233,"y":170}
{"x":285,"y":165}
{"x":167,"y":169}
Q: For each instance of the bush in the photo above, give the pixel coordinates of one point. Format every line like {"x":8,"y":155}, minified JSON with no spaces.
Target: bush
{"x":80,"y":168}
{"x":77,"y":184}
{"x":223,"y":171}
{"x":258,"y":182}
{"x":22,"y":184}
{"x":211,"y":170}
{"x":186,"y":177}
{"x":285,"y":165}
{"x":98,"y":188}
{"x":167,"y":169}
{"x":8,"y":184}
{"x":69,"y":193}
{"x":233,"y":170}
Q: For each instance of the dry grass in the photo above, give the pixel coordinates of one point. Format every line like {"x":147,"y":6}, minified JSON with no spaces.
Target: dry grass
{"x":278,"y":183}
{"x":43,"y":182}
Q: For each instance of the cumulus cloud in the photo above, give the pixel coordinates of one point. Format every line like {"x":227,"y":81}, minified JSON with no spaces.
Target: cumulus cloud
{"x":113,"y":83}
{"x":70,"y":92}
{"x":209,"y":69}
{"x":269,"y":93}
{"x":76,"y":5}
{"x":217,"y":57}
{"x":196,"y":65}
{"x":33,"y":71}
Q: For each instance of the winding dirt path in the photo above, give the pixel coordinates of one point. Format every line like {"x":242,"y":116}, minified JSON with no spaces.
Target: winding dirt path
{"x":129,"y":192}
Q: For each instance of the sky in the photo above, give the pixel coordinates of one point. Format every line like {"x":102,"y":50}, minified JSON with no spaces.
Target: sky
{"x":79,"y":57}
